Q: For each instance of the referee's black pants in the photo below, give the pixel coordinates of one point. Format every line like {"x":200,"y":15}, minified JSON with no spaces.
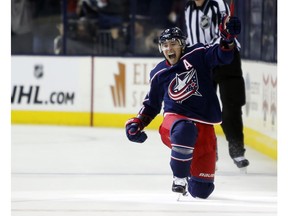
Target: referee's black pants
{"x":229,"y":79}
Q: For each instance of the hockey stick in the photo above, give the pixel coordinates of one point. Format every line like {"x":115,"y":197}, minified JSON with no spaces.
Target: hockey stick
{"x":232,"y":8}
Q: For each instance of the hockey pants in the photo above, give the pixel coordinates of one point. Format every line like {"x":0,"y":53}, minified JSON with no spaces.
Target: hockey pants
{"x":180,"y":133}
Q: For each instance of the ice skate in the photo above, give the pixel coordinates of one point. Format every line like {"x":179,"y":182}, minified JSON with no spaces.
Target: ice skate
{"x":179,"y":185}
{"x":236,"y":151}
{"x":242,"y":163}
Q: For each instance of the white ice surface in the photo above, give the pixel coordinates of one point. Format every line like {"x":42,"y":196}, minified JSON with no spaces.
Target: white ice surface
{"x":83,"y":171}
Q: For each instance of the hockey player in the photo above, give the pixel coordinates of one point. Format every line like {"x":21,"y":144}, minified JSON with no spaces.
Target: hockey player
{"x":191,"y":107}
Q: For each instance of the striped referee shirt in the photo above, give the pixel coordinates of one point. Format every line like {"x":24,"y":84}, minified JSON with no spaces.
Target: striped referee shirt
{"x":202,"y":23}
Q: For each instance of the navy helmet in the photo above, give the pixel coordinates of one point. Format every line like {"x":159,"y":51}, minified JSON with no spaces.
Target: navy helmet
{"x":173,"y":33}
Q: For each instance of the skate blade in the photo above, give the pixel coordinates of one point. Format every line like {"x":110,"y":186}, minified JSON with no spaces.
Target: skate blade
{"x":243,"y":170}
{"x":182,"y":196}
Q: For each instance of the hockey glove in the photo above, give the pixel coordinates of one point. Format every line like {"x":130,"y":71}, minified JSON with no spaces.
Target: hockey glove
{"x":134,"y":130}
{"x":229,"y":28}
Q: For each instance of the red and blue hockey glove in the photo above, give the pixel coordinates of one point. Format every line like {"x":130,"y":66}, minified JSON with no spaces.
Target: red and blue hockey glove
{"x":229,"y":28}
{"x":134,"y":130}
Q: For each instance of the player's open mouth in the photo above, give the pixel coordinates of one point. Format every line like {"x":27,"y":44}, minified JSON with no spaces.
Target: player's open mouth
{"x":172,"y":56}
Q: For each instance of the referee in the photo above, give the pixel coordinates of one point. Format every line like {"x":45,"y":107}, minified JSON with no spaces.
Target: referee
{"x":202,"y":18}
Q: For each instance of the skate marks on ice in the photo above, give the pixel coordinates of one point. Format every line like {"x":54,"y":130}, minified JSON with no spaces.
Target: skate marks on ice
{"x":68,"y":171}
{"x":133,"y":195}
{"x":140,"y":204}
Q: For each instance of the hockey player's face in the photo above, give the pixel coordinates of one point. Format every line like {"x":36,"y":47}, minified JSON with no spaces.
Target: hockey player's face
{"x":172,"y":50}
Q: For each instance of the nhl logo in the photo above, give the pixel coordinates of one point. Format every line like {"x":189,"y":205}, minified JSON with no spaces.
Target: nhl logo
{"x":38,"y":71}
{"x":205,"y":22}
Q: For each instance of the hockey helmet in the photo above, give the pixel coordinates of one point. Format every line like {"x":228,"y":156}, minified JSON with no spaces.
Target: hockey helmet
{"x":172,"y":33}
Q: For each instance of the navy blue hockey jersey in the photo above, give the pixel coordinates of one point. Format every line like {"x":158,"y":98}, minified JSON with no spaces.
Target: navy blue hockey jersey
{"x":186,"y":88}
